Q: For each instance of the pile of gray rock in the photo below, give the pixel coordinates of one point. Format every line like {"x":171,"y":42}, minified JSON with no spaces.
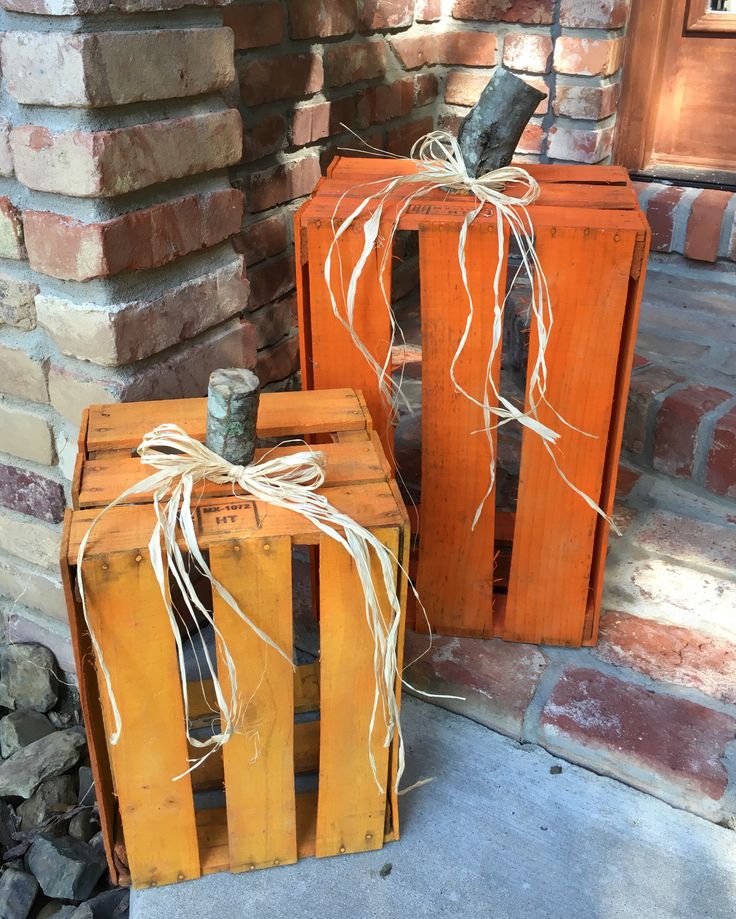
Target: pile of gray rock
{"x":52,"y":859}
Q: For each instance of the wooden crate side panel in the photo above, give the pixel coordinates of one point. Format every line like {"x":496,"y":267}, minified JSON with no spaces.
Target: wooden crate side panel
{"x":351,"y":810}
{"x":588,"y":275}
{"x":403,"y":554}
{"x":302,"y":298}
{"x":127,"y":613}
{"x":259,"y":758}
{"x":455,"y":578}
{"x":334,"y":358}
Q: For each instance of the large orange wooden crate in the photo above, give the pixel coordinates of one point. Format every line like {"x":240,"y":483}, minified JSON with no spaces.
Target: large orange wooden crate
{"x":592,"y":240}
{"x":154,"y":830}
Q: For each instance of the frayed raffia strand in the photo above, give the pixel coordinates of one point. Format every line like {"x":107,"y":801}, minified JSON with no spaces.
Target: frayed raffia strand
{"x":440,"y":165}
{"x":288,"y":482}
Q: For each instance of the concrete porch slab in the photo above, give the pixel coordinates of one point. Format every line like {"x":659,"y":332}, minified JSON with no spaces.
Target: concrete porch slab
{"x":495,"y":835}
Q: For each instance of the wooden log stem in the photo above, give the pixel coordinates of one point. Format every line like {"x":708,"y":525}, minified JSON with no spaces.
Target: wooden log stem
{"x":232,"y":409}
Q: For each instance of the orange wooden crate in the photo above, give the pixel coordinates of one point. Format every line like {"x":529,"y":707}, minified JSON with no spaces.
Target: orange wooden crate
{"x":154,"y":832}
{"x":592,"y":240}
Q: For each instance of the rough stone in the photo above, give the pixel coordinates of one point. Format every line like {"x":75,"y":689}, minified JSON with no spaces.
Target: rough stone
{"x":111,"y":904}
{"x":86,"y":785}
{"x":65,"y":868}
{"x":29,"y":672}
{"x":94,"y":68}
{"x":55,"y":909}
{"x":20,"y":728}
{"x":11,"y":231}
{"x":17,"y":307}
{"x":26,"y":625}
{"x":54,"y":796}
{"x":17,"y":892}
{"x":84,"y":825}
{"x":50,"y":756}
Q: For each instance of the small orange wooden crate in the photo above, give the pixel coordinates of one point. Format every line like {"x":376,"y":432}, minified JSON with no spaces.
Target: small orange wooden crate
{"x":151,"y":824}
{"x":592,"y":240}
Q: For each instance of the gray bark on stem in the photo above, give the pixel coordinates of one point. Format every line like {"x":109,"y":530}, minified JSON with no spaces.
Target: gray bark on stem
{"x":232,"y":409}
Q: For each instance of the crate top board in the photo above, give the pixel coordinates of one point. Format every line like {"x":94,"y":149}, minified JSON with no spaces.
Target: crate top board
{"x":107,"y":465}
{"x":570,"y":196}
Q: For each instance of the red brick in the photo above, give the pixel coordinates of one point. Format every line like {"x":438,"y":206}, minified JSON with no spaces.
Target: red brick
{"x":271,"y":280}
{"x":720,"y":476}
{"x":526,"y":51}
{"x":428,"y":10}
{"x":698,"y":543}
{"x":271,"y":322}
{"x":30,"y":493}
{"x":386,"y":14}
{"x":644,"y":389}
{"x":704,"y":224}
{"x":588,"y":56}
{"x":377,"y":104}
{"x":351,"y":63}
{"x":321,"y":119}
{"x":67,"y":248}
{"x":532,"y":139}
{"x":400,"y":140}
{"x":626,"y":480}
{"x":416,"y":51}
{"x":279,"y":361}
{"x":661,"y":209}
{"x":264,"y":136}
{"x":288,"y":77}
{"x":536,"y":12}
{"x":468,"y":48}
{"x":255,"y":25}
{"x":633,"y":729}
{"x":497,"y":679}
{"x":582,"y":145}
{"x":464,"y":88}
{"x":263,"y":239}
{"x":593,"y":102}
{"x":594,"y":14}
{"x":426,"y":88}
{"x":282,"y":183}
{"x":317,"y":19}
{"x":678,"y":422}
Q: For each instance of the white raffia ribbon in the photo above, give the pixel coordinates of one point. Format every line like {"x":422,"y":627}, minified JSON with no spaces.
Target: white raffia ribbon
{"x":440,"y":165}
{"x":289,"y":482}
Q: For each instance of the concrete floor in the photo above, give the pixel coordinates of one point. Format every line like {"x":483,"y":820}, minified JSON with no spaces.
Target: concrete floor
{"x":495,"y":835}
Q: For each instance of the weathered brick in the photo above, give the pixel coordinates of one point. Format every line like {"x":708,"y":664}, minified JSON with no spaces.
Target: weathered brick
{"x":720,"y":476}
{"x":37,"y":590}
{"x":531,"y":139}
{"x":121,"y":333}
{"x":264,"y":135}
{"x":588,"y":56}
{"x":6,"y":155}
{"x":593,"y":102}
{"x":282,"y":183}
{"x":704,"y":224}
{"x":94,"y":68}
{"x":67,"y":248}
{"x":414,"y":51}
{"x":678,"y":423}
{"x":22,"y":375}
{"x":640,"y":736}
{"x":11,"y":231}
{"x":255,"y":25}
{"x":351,"y":63}
{"x":401,"y":139}
{"x":104,"y":163}
{"x":467,"y":48}
{"x":426,"y":88}
{"x":626,"y":480}
{"x":594,"y":14}
{"x":25,"y":625}
{"x":317,"y":19}
{"x":31,"y":493}
{"x":377,"y":104}
{"x":527,"y":51}
{"x":583,"y":145}
{"x":271,"y":280}
{"x":91,"y":7}
{"x":661,"y":209}
{"x":644,"y":389}
{"x":178,"y":373}
{"x":263,"y":239}
{"x":290,"y":76}
{"x":271,"y":322}
{"x":321,"y":119}
{"x":30,"y":539}
{"x":467,"y":667}
{"x":428,"y":10}
{"x":385,"y":14}
{"x":535,"y":12}
{"x":25,"y":434}
{"x":279,"y":361}
{"x":17,"y":305}
{"x":464,"y":88}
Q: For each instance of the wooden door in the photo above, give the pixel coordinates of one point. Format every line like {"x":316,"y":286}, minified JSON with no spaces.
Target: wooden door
{"x":678,"y":108}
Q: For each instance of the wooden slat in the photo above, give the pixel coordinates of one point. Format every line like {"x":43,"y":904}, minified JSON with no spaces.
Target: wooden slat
{"x":259,"y":759}
{"x":588,"y":274}
{"x":333,"y":354}
{"x":403,"y":555}
{"x":455,"y":579}
{"x":80,"y":458}
{"x":105,"y":478}
{"x":351,"y":811}
{"x":215,"y":520}
{"x":127,"y":613}
{"x":122,"y":426}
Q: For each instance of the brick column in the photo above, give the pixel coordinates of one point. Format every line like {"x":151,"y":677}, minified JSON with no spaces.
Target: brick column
{"x":117,"y":279}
